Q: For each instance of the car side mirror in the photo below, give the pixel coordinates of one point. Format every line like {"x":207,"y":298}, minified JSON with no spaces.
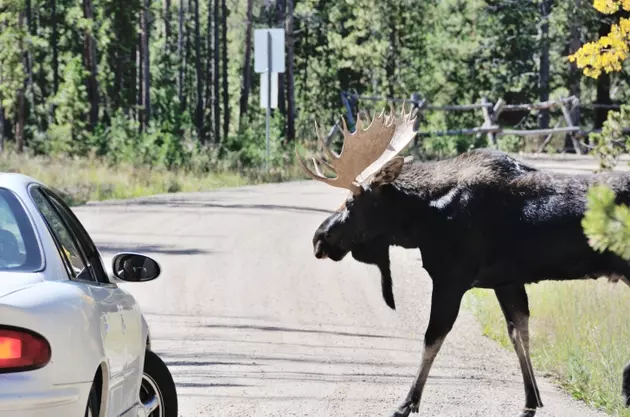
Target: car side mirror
{"x":133,"y":267}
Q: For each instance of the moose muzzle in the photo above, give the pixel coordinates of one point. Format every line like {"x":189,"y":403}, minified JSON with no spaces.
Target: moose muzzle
{"x":318,"y":249}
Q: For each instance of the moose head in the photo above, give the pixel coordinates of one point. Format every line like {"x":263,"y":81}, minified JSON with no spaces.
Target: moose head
{"x":366,"y":166}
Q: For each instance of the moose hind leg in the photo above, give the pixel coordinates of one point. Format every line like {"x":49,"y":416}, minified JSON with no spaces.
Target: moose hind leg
{"x":445,"y":304}
{"x":625,"y":386}
{"x":514,"y":304}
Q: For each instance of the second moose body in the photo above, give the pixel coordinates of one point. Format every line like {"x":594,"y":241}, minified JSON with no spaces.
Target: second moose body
{"x":481,"y":219}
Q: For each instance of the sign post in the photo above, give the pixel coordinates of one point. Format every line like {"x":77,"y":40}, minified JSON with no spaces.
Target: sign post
{"x":268,"y":61}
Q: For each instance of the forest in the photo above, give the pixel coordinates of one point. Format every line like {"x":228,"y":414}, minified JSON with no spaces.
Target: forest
{"x":170,"y":83}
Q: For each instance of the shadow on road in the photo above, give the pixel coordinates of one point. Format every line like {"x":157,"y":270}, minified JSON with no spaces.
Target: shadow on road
{"x":262,"y":359}
{"x":208,"y":385}
{"x":180,"y":203}
{"x":206,"y":363}
{"x":288,"y":329}
{"x":166,"y":250}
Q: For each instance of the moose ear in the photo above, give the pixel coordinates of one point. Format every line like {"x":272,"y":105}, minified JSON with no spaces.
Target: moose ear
{"x":388,"y":173}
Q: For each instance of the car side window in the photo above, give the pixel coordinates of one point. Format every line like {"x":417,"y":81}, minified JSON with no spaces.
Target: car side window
{"x":90,"y":252}
{"x":67,"y":244}
{"x":12,"y":247}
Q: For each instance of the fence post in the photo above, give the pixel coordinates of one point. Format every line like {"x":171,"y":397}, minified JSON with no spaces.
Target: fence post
{"x":418,"y":103}
{"x":569,"y":121}
{"x":487,"y":122}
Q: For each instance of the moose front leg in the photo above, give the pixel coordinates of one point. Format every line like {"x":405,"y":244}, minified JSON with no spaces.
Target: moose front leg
{"x":445,"y":303}
{"x":515,"y":307}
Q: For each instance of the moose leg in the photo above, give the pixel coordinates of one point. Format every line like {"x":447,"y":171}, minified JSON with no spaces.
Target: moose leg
{"x":445,"y":303}
{"x":514,"y":303}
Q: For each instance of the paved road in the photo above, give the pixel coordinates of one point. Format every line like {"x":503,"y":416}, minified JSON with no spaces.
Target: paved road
{"x":251,"y":324}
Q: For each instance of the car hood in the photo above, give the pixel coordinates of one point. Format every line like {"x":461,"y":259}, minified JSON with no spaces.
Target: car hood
{"x":11,"y":282}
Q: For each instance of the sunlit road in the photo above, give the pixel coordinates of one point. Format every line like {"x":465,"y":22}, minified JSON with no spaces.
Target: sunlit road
{"x":251,"y":324}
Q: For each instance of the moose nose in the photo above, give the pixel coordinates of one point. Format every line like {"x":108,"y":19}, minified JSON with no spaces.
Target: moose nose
{"x":320,"y":253}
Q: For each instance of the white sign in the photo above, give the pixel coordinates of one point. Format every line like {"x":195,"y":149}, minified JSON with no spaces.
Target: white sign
{"x":264,"y":89}
{"x":266,"y":54}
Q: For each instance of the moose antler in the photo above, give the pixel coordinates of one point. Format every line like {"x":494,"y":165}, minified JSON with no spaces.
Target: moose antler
{"x":364,"y":152}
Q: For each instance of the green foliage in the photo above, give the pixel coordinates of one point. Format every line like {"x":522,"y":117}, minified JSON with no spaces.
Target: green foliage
{"x":612,"y":142}
{"x":446,"y":146}
{"x":68,"y":133}
{"x":510,"y":143}
{"x":11,"y":63}
{"x":448,"y":52}
{"x":606,"y":224}
{"x":249,"y":146}
{"x":505,"y":60}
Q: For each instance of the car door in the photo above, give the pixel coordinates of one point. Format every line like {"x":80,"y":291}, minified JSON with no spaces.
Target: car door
{"x":120,"y":317}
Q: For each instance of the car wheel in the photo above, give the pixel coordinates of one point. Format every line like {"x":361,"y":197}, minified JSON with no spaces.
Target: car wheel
{"x":93,"y":405}
{"x":157,"y":392}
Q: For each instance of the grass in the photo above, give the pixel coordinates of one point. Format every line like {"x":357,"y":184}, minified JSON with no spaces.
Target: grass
{"x":579,"y":333}
{"x":89,"y":179}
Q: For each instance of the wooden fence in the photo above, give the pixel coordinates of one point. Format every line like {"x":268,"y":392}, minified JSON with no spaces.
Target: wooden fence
{"x":490,"y":113}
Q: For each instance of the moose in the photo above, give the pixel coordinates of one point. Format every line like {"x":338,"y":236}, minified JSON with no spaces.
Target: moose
{"x":481,"y":219}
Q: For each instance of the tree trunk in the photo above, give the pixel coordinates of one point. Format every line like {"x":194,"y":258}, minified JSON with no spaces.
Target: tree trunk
{"x":603,"y":97}
{"x":29,"y":27}
{"x":140,"y":82}
{"x":199,"y":107}
{"x":89,"y":56}
{"x":132,"y":90}
{"x":55,"y":46}
{"x":290,"y":86}
{"x":180,"y":53}
{"x":146,"y":66}
{"x":575,"y":75}
{"x":1,"y":128}
{"x":545,"y":11}
{"x":216,"y":117}
{"x":208,"y":94}
{"x":281,"y":7}
{"x":19,"y":125}
{"x":603,"y":87}
{"x":187,"y":54}
{"x":224,"y":75}
{"x":247,"y":66}
{"x":28,"y":55}
{"x":390,"y":65}
{"x":166,"y":4}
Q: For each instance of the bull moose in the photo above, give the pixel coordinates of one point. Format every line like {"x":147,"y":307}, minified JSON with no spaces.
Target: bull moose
{"x":481,"y":219}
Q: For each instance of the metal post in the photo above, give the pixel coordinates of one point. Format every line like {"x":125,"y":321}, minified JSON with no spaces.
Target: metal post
{"x":346,"y":103}
{"x":268,"y":95}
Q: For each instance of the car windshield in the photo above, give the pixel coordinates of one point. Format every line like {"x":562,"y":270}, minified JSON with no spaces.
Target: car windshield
{"x":19,"y":251}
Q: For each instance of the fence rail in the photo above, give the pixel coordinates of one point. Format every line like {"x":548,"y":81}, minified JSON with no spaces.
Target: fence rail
{"x":490,"y":113}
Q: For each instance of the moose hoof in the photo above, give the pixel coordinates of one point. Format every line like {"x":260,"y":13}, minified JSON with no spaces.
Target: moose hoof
{"x":528,"y":413}
{"x":406,"y":409}
{"x":402,"y":412}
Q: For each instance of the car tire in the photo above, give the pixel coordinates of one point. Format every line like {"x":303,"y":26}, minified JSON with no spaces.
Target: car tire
{"x":93,"y":405}
{"x":157,"y":380}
